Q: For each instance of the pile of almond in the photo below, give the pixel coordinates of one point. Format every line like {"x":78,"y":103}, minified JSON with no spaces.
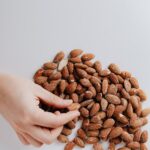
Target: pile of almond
{"x":109,"y":100}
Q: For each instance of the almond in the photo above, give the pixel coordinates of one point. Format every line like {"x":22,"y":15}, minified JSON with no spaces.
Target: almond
{"x":105,"y":86}
{"x":94,"y":126}
{"x":125,"y":74}
{"x":62,"y":86}
{"x":134,"y":82}
{"x":94,"y":109}
{"x":126,"y":137}
{"x":115,"y":132}
{"x":55,"y":76}
{"x":104,"y":72}
{"x":74,"y":106}
{"x":110,"y":110}
{"x":66,"y":131}
{"x":40,"y":80}
{"x":84,"y":112}
{"x":98,"y":66}
{"x":62,"y":138}
{"x":127,"y":85}
{"x":144,"y":137}
{"x":59,"y":56}
{"x":85,"y":82}
{"x":69,"y":146}
{"x":92,"y":140}
{"x":87,"y":57}
{"x":71,"y":87}
{"x":113,"y":78}
{"x":93,"y":133}
{"x":75,"y":52}
{"x":141,"y":94}
{"x":104,"y":133}
{"x":114,"y":68}
{"x":113,"y":99}
{"x":75,"y":60}
{"x":50,"y":65}
{"x":79,"y":142}
{"x":81,"y":133}
{"x":134,"y":145}
{"x":70,"y":67}
{"x":62,"y":64}
{"x":108,"y":123}
{"x":81,"y":73}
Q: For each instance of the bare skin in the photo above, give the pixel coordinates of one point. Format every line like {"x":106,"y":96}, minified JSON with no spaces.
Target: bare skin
{"x":19,"y":105}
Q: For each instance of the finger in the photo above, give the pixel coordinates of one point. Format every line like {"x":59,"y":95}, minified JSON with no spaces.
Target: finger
{"x":22,"y":139}
{"x":32,"y":140}
{"x":50,"y":120}
{"x":54,"y":133}
{"x":51,"y":99}
{"x":40,"y":134}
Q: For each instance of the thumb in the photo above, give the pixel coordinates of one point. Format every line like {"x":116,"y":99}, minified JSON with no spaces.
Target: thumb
{"x":51,"y":99}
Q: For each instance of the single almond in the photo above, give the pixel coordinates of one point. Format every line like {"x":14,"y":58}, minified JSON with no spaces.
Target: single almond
{"x":113,"y":99}
{"x":59,"y":56}
{"x":75,"y":52}
{"x":114,"y":68}
{"x":87,"y":57}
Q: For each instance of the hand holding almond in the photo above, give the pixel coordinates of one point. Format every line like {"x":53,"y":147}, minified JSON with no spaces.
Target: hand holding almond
{"x":19,"y":105}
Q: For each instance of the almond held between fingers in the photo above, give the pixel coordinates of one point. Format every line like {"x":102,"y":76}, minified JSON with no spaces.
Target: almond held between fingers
{"x":74,"y":106}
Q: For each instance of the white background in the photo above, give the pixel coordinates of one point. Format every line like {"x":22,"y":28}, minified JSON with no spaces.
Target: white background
{"x":32,"y":31}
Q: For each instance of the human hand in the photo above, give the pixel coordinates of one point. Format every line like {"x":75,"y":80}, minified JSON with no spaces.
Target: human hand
{"x":19,"y":105}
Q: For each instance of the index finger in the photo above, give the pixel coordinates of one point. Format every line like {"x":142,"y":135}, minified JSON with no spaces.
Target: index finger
{"x":50,"y":120}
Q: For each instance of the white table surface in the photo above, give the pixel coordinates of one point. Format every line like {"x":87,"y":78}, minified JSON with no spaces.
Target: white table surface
{"x":32,"y":31}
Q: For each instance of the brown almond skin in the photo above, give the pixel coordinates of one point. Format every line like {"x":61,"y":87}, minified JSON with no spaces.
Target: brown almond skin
{"x":94,"y":126}
{"x":71,"y":124}
{"x":92,"y":140}
{"x":125,"y":74}
{"x":126,"y":137}
{"x":144,"y":136}
{"x":87,"y":57}
{"x":69,"y":146}
{"x":85,"y":82}
{"x":94,"y":109}
{"x":66,"y":131}
{"x":59,"y":56}
{"x":78,"y":141}
{"x":134,"y":82}
{"x":105,"y":86}
{"x":81,"y":73}
{"x":97,"y":146}
{"x":133,"y":145}
{"x":40,"y":80}
{"x":141,"y":94}
{"x":81,"y":133}
{"x":113,"y":99}
{"x":71,"y":87}
{"x":74,"y":106}
{"x":115,"y":132}
{"x":62,"y":138}
{"x":114,"y":68}
{"x":127,"y":85}
{"x":75,"y":53}
{"x":75,"y":60}
{"x":104,"y":133}
{"x":113,"y":78}
{"x":108,"y":123}
{"x":50,"y":65}
{"x":65,"y":72}
{"x":84,"y":112}
{"x":93,"y":133}
{"x":110,"y":110}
